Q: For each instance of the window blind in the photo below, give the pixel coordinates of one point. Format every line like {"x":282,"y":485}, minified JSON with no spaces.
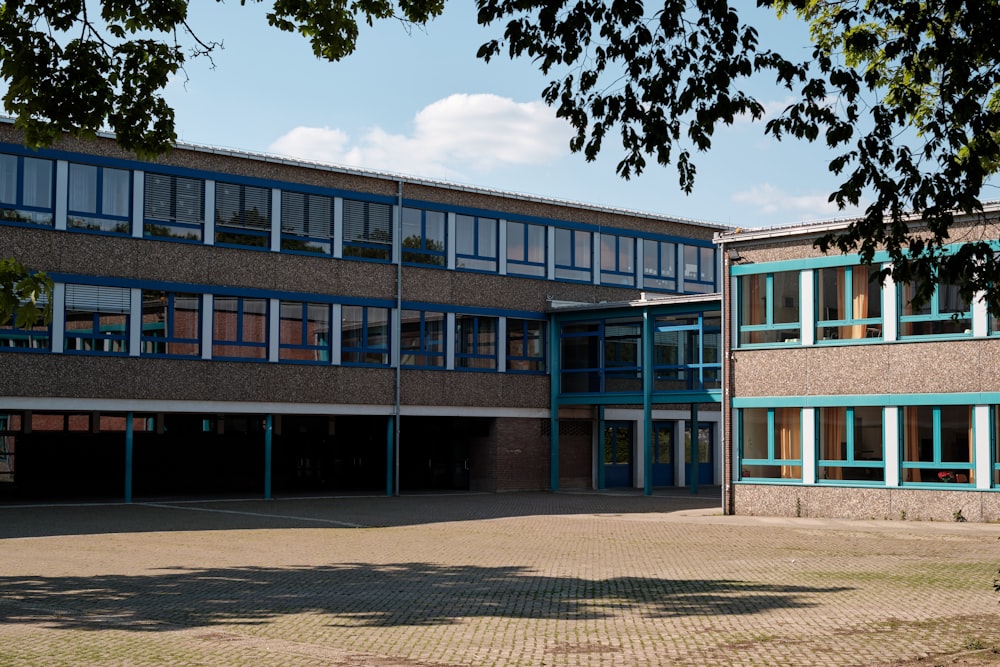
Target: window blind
{"x":98,"y":299}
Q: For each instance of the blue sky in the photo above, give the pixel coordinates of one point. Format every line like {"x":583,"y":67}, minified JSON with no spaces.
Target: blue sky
{"x":421,"y":104}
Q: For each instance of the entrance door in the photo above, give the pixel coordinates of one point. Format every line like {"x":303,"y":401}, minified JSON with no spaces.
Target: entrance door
{"x":618,"y":447}
{"x":706,"y":461}
{"x":663,"y":453}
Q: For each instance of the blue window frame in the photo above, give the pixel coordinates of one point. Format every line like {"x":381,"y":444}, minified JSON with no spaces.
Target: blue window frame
{"x":937,"y":445}
{"x":99,"y":199}
{"x":173,"y":207}
{"x":364,"y":336}
{"x":240,"y":328}
{"x":659,"y":265}
{"x":526,"y":249}
{"x":574,"y":255}
{"x":424,"y":237}
{"x":422,"y":343}
{"x":622,"y":367}
{"x":37,"y":338}
{"x":617,"y":260}
{"x":769,"y":308}
{"x":367,"y":230}
{"x":525,"y":346}
{"x":476,"y":241}
{"x":475,"y":342}
{"x":945,"y":314}
{"x":304,"y":332}
{"x":848,"y":303}
{"x":97,"y":319}
{"x":171,"y":324}
{"x":242,"y":215}
{"x":687,"y":351}
{"x":27,"y":190}
{"x":699,"y":269}
{"x":306,"y":223}
{"x":849,"y":445}
{"x":580,"y":357}
{"x":771,"y":444}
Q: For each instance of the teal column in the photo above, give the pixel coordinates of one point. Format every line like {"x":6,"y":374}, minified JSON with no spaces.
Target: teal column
{"x":129,"y":437}
{"x":648,"y":374}
{"x":695,"y":454}
{"x":554,"y":389}
{"x":601,"y":447}
{"x":268,"y":445}
{"x":390,"y":447}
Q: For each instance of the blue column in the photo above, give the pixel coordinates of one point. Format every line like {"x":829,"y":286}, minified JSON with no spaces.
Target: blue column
{"x":554,"y":388}
{"x":695,"y":446}
{"x":390,"y":432}
{"x":601,"y":446}
{"x":268,"y":436}
{"x":129,"y":434}
{"x":648,"y":374}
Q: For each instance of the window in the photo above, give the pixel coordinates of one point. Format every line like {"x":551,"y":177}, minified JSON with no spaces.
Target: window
{"x":306,"y":223}
{"x":364,"y":336}
{"x":304,"y":332}
{"x":848,"y":303}
{"x":580,"y":356}
{"x":945,"y":313}
{"x":239,"y":328}
{"x":996,"y":445}
{"x":100,"y":198}
{"x":423,"y":237}
{"x":937,"y":445}
{"x":242,"y":215}
{"x":174,"y":207}
{"x":367,"y":230}
{"x":771,"y":443}
{"x":97,"y":319}
{"x":27,"y":185}
{"x":699,"y":269}
{"x":526,"y":249}
{"x":574,"y":255}
{"x":769,"y":308}
{"x":659,"y":265}
{"x":38,"y":337}
{"x":476,"y":342}
{"x":171,"y":324}
{"x":687,"y":352}
{"x":422,"y":342}
{"x":850,"y":445}
{"x":622,"y":355}
{"x":525,"y":346}
{"x":476,"y":243}
{"x":617,"y":260}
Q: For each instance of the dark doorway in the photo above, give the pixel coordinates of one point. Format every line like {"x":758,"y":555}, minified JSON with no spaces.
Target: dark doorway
{"x":437,"y":453}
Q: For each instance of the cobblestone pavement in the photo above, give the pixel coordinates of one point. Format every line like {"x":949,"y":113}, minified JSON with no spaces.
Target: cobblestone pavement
{"x":469,"y":579}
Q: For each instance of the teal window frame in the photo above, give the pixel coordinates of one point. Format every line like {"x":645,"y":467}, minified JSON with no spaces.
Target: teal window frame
{"x":173,"y":208}
{"x":936,"y":465}
{"x":694,"y":370}
{"x":849,"y":461}
{"x":94,"y":204}
{"x":19,"y":204}
{"x":938,"y":320}
{"x":769,"y":326}
{"x":771,"y":461}
{"x":873,"y":326}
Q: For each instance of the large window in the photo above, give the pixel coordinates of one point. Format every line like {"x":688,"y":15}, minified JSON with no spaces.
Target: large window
{"x":97,"y":319}
{"x":580,"y":357}
{"x":687,"y":352}
{"x":769,"y":308}
{"x":771,"y":443}
{"x":476,"y":342}
{"x":848,"y":303}
{"x":525,"y":346}
{"x":699,"y":269}
{"x":623,"y":355}
{"x":304,"y":332}
{"x":526,"y":245}
{"x":617,"y":260}
{"x":100,"y":198}
{"x":364,"y":336}
{"x":27,"y":185}
{"x":659,"y":265}
{"x":171,"y":324}
{"x":424,"y":237}
{"x":306,"y":223}
{"x":946,"y":313}
{"x":37,"y":337}
{"x":476,"y":243}
{"x":174,"y":207}
{"x":850,"y":444}
{"x":422,"y":344}
{"x":239,"y":328}
{"x":242,"y":215}
{"x":937,"y":445}
{"x":574,"y":255}
{"x":367,"y":230}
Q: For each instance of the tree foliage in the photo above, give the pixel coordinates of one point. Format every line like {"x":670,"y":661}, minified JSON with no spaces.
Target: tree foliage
{"x":24,"y":295}
{"x":903,"y":92}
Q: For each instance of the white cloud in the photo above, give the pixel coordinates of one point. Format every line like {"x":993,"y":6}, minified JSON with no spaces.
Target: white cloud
{"x":454,"y":135}
{"x":770,"y":200}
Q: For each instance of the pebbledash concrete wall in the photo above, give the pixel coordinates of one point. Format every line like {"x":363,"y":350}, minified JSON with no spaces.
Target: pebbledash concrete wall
{"x":893,"y":504}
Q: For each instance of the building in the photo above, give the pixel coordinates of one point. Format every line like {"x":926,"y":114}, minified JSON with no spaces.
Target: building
{"x":842,"y":398}
{"x":231,"y":323}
